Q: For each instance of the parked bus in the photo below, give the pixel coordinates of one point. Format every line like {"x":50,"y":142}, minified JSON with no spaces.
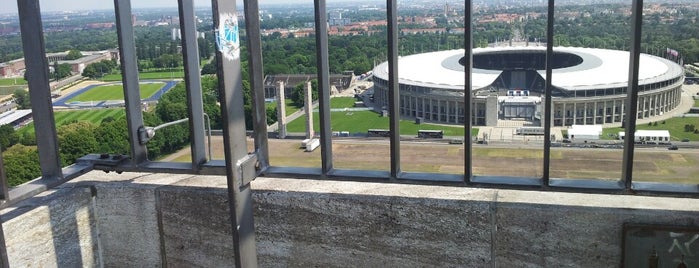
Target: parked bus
{"x":530,"y":131}
{"x":378,"y":133}
{"x":430,"y":134}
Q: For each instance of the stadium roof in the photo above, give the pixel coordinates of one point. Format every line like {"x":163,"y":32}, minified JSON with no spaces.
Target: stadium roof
{"x":601,"y":68}
{"x":10,"y":117}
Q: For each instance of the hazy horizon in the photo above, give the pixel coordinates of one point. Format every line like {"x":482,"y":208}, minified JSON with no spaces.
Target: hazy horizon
{"x":81,"y":5}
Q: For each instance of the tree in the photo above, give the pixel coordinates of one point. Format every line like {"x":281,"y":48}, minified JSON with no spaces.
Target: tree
{"x":22,"y":99}
{"x":98,"y":69}
{"x":62,"y":70}
{"x":209,"y":68}
{"x":74,"y":55}
{"x":299,"y":92}
{"x":28,"y":138}
{"x":21,"y":164}
{"x":8,"y":136}
{"x":113,"y":137}
{"x":76,"y":140}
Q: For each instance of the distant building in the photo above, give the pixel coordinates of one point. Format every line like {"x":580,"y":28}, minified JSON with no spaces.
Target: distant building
{"x":89,"y":57}
{"x":589,"y":85}
{"x":338,"y":81}
{"x":15,"y":68}
{"x":12,"y":68}
{"x":335,"y":19}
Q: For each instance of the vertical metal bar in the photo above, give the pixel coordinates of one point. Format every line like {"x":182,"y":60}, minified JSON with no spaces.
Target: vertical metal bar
{"x":190,"y":54}
{"x":393,"y":93}
{"x":547,"y":95}
{"x":230,"y":85}
{"x":632,"y":93}
{"x":4,"y":198}
{"x":4,"y":262}
{"x":259,"y":116}
{"x":4,"y":188}
{"x":321,"y":21}
{"x":468,"y":81}
{"x":129,"y":77}
{"x":39,"y":89}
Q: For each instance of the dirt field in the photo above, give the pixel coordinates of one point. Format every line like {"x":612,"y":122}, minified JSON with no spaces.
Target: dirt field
{"x":658,"y":165}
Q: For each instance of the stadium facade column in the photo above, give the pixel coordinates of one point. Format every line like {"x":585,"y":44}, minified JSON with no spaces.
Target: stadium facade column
{"x":566,"y":114}
{"x":491,"y":111}
{"x":594,"y":114}
{"x":604,"y":112}
{"x":448,"y":112}
{"x":281,"y":111}
{"x":308,"y":107}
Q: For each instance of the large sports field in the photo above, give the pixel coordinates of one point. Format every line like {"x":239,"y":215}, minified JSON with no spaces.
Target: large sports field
{"x":361,"y":121}
{"x":178,"y":73}
{"x":94,"y":116}
{"x":115,"y":92}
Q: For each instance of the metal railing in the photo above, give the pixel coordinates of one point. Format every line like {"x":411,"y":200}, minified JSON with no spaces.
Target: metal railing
{"x":239,"y":166}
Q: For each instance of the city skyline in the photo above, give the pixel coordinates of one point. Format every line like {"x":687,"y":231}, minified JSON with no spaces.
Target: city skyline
{"x":81,"y":5}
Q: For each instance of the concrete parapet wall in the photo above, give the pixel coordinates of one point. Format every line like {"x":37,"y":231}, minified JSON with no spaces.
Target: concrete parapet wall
{"x":53,"y":229}
{"x":152,"y":220}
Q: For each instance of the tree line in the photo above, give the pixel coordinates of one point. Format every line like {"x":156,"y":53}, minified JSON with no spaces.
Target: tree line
{"x":79,"y":138}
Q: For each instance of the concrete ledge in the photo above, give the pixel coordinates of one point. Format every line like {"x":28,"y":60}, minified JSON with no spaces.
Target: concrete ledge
{"x":54,"y":229}
{"x":182,"y":220}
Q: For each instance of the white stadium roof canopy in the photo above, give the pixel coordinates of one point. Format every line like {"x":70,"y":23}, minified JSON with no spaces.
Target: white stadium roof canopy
{"x":601,"y":68}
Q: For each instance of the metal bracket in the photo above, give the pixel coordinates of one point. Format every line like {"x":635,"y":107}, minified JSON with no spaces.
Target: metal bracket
{"x":99,"y":161}
{"x":246,"y":169}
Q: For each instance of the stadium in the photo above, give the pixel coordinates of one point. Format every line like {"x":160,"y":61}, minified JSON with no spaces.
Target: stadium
{"x":589,"y":86}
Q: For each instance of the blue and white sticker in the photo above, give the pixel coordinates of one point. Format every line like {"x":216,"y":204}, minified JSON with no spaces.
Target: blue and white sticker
{"x":227,"y":37}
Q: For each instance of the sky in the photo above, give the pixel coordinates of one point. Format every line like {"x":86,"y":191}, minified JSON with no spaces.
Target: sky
{"x":10,"y":6}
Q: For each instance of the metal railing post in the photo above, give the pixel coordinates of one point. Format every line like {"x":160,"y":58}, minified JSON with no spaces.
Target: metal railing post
{"x":468,"y":80}
{"x":632,"y":93}
{"x":234,"y":139}
{"x":190,"y":54}
{"x":259,"y":115}
{"x":323,"y":66}
{"x":39,"y":89}
{"x":393,"y":87}
{"x":129,"y":77}
{"x":4,"y":198}
{"x":547,"y":95}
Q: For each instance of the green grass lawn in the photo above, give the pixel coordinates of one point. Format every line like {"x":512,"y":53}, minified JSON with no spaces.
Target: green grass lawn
{"x":290,"y":108}
{"x":696,"y":103}
{"x":342,"y":102}
{"x":674,"y":125}
{"x":92,"y":116}
{"x":148,"y":75}
{"x":9,"y":90}
{"x":12,"y":81}
{"x":115,"y":92}
{"x":361,"y":121}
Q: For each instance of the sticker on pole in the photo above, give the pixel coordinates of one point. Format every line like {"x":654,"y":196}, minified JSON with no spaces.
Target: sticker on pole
{"x":227,"y":38}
